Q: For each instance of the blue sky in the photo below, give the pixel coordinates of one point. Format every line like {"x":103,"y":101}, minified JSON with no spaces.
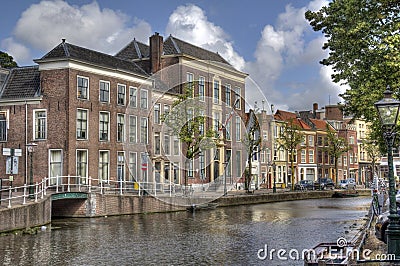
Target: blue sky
{"x":268,"y":39}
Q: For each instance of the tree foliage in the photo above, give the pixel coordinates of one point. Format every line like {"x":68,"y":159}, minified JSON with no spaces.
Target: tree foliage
{"x":335,"y":147}
{"x":6,"y":60}
{"x":289,"y":139}
{"x":186,"y":120}
{"x":363,"y":40}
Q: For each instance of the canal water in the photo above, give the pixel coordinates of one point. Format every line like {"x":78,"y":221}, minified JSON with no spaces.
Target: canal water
{"x":239,"y":235}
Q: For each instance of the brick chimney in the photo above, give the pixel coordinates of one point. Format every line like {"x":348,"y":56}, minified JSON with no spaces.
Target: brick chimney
{"x":156,"y":50}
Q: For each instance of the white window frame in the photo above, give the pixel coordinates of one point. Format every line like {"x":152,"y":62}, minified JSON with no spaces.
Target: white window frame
{"x":122,"y":137}
{"x":144,"y":104}
{"x":87,"y":89}
{"x":134,"y":128}
{"x":133,"y":104}
{"x":34,"y":124}
{"x":100,"y":168}
{"x":108,"y":126}
{"x":119,"y":85}
{"x":108,"y":91}
{"x":86,"y":166}
{"x":87,"y":124}
{"x":60,"y":162}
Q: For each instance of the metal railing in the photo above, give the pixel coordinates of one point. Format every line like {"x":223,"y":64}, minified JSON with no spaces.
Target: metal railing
{"x":17,"y":195}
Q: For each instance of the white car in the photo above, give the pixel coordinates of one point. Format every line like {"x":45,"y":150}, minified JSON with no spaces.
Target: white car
{"x":348,"y":184}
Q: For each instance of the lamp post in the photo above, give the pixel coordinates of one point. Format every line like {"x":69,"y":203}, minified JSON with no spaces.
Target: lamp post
{"x":274,"y":172}
{"x":388,"y":110}
{"x":31,"y":150}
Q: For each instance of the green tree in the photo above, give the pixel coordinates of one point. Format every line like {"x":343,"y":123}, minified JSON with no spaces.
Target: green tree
{"x":7,"y":61}
{"x":335,"y":147}
{"x":186,"y":120}
{"x":363,"y":41}
{"x":373,"y":152}
{"x":289,"y":139}
{"x":251,"y":141}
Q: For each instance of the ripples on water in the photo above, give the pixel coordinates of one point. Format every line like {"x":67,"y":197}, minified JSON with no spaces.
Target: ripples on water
{"x":224,"y":236}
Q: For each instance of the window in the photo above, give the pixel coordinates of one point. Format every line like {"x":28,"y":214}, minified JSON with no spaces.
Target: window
{"x":120,"y":127}
{"x":201,"y":123}
{"x":351,"y":140}
{"x":132,"y":166}
{"x":303,"y":156}
{"x":345,"y":160}
{"x":81,"y":163}
{"x":104,"y":163}
{"x":237,"y":98}
{"x":167,"y":145}
{"x":81,"y":124}
{"x":55,"y":163}
{"x":237,"y":127}
{"x":228,"y":94}
{"x":157,"y":144}
{"x":216,"y":91}
{"x":3,"y":126}
{"x":311,"y":141}
{"x":144,"y":167}
{"x":143,"y":130}
{"x":176,"y":146}
{"x":190,"y":85}
{"x":157,"y":118}
{"x":166,"y":110}
{"x":228,"y":128}
{"x":40,"y":124}
{"x":133,"y":97}
{"x":202,"y":165}
{"x":216,"y":123}
{"x":121,"y":166}
{"x":262,"y":156}
{"x":228,"y":169}
{"x":238,"y":164}
{"x":265,"y":135}
{"x":121,"y":94}
{"x":189,"y":163}
{"x":311,"y":156}
{"x":201,"y":88}
{"x":132,"y":128}
{"x":104,"y":91}
{"x":83,"y":88}
{"x":104,"y":124}
{"x":143,"y":99}
{"x":303,"y":140}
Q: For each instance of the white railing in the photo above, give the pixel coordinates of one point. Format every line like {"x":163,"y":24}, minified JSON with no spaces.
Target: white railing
{"x":22,"y":194}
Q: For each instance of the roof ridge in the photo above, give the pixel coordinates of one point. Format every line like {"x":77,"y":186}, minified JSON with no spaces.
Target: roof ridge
{"x":139,"y":53}
{"x":65,"y":47}
{"x":175,"y":44}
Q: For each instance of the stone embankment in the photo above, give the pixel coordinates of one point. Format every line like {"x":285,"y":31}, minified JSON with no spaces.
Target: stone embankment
{"x":29,"y":215}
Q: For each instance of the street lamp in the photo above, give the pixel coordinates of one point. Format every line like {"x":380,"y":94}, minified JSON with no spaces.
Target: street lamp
{"x":274,"y":172}
{"x":31,"y":149}
{"x":388,"y":110}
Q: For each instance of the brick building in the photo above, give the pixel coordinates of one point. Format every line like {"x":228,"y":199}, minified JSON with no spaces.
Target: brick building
{"x":94,"y":114}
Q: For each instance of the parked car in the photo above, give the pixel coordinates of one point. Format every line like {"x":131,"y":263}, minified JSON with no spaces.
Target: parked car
{"x":347,"y":184}
{"x":324,"y":183}
{"x":304,"y":185}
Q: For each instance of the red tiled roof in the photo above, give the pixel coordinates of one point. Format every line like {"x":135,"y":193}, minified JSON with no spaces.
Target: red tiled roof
{"x":289,"y":116}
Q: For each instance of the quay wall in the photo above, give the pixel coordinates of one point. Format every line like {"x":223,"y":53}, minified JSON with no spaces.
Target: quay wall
{"x":25,"y":216}
{"x":40,"y":213}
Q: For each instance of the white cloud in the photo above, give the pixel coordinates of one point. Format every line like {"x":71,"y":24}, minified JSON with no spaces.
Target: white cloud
{"x":43,"y":25}
{"x":288,"y":48}
{"x":18,"y":51}
{"x":190,"y":23}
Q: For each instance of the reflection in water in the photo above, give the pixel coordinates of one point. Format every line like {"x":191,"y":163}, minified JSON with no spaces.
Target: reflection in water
{"x":225,"y":236}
